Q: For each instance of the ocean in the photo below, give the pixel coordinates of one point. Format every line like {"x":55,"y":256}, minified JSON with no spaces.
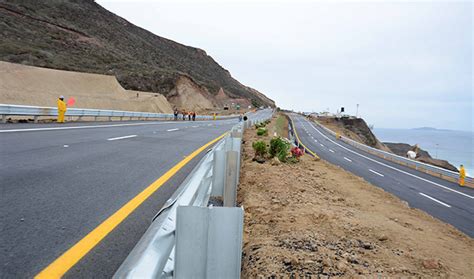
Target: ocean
{"x":457,"y":147}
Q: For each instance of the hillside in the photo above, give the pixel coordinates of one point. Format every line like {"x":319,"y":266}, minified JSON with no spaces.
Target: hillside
{"x":358,"y":130}
{"x":80,"y":35}
{"x":355,"y":129}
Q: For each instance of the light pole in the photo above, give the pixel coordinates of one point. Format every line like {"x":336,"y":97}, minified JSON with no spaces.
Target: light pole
{"x":357,"y":111}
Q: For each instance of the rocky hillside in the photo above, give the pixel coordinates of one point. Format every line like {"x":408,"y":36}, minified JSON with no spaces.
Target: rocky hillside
{"x":358,"y":130}
{"x":401,"y":149}
{"x":355,"y":129}
{"x":80,"y":35}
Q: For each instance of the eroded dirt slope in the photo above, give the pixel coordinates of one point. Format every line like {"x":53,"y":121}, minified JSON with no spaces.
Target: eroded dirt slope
{"x":315,"y":219}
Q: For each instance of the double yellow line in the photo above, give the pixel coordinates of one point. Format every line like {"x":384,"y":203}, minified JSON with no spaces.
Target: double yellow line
{"x":69,"y":258}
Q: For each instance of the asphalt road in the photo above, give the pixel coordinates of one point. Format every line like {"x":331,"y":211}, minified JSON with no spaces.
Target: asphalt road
{"x":440,"y":198}
{"x":59,"y":182}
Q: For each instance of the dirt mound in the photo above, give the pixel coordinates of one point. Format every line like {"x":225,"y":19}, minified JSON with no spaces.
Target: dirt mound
{"x":401,"y":149}
{"x":190,"y":96}
{"x":314,"y":219}
{"x":27,"y":85}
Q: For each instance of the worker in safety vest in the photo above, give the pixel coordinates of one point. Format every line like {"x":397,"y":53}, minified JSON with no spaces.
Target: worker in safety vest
{"x":61,"y":109}
{"x":462,"y":175}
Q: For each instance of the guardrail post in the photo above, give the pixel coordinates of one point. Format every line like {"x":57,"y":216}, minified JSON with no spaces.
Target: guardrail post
{"x":110,"y":118}
{"x":35,"y":119}
{"x":95,"y":118}
{"x":4,"y":118}
{"x":218,"y":173}
{"x":231,"y":178}
{"x":208,"y":242}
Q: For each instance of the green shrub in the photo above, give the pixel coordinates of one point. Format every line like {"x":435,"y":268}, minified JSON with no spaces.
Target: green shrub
{"x":260,"y":125}
{"x":292,"y":160}
{"x":279,"y":148}
{"x":262,"y":132}
{"x":260,"y":148}
{"x":283,"y":155}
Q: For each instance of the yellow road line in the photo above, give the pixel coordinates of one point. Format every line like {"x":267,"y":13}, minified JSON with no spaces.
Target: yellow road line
{"x":298,"y":138}
{"x":67,"y":260}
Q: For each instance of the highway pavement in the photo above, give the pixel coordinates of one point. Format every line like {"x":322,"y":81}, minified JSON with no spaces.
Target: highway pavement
{"x":59,"y":182}
{"x":440,"y":198}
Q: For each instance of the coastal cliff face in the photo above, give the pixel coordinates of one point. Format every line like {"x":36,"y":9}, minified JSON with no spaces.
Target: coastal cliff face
{"x":358,"y":130}
{"x":355,"y":129}
{"x":401,"y":149}
{"x":84,"y":37}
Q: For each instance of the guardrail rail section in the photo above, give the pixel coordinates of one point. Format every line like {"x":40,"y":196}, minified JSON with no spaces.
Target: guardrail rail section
{"x":420,"y":166}
{"x":198,"y":232}
{"x":34,"y":111}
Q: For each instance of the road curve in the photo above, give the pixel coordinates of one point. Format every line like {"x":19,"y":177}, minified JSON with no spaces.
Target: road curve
{"x":59,"y":182}
{"x":442,"y":199}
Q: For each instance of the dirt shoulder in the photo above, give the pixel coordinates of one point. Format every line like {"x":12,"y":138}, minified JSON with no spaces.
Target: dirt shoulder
{"x":313,"y":218}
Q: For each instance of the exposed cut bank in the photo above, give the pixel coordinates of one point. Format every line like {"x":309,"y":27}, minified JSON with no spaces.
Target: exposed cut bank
{"x":313,"y":218}
{"x":82,"y":36}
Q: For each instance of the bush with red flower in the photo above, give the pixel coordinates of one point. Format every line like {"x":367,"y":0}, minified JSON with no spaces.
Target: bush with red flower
{"x":296,"y":152}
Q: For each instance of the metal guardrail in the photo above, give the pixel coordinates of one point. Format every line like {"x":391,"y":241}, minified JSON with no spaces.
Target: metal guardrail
{"x":420,"y":166}
{"x":18,"y":110}
{"x":188,"y":238}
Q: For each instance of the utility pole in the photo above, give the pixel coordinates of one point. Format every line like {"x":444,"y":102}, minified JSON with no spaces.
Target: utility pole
{"x":357,"y":111}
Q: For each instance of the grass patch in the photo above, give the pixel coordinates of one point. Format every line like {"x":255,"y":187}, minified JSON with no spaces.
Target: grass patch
{"x":281,"y":126}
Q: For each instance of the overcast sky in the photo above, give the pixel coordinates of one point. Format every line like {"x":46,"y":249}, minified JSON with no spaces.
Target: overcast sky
{"x":408,"y":64}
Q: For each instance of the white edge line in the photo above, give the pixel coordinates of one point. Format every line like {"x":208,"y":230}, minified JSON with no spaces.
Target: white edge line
{"x":390,"y":167}
{"x":376,"y":173}
{"x":124,"y":137}
{"x":431,"y":198}
{"x":171,"y":130}
{"x":80,"y":127}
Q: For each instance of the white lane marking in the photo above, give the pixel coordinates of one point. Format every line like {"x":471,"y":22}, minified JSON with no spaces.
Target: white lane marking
{"x":124,"y":137}
{"x":431,"y":198}
{"x":322,"y":144}
{"x":171,"y":130}
{"x":195,"y":126}
{"x":347,"y":159}
{"x":376,"y":173}
{"x":80,"y":127}
{"x":316,"y":140}
{"x":65,"y":145}
{"x":330,"y":150}
{"x":209,"y":124}
{"x":393,"y":168}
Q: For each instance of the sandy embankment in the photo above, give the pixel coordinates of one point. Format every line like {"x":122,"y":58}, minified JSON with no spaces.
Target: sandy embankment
{"x":27,"y":85}
{"x":314,"y":218}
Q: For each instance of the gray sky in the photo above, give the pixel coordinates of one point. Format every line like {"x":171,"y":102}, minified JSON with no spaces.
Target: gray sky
{"x":408,"y":64}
